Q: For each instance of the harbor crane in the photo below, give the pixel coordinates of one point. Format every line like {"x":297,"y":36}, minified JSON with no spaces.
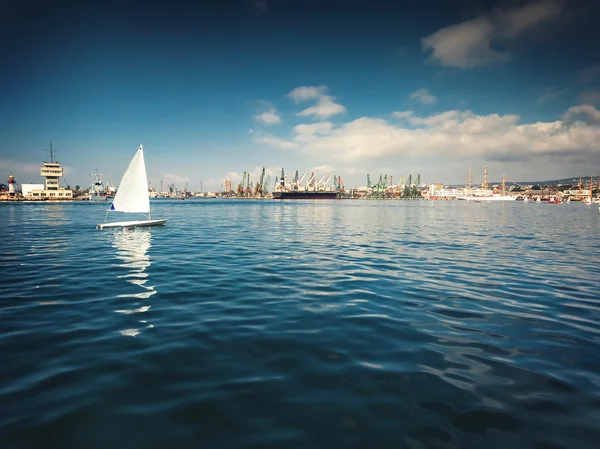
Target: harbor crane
{"x":311,"y":180}
{"x":240,"y":187}
{"x":259,"y":191}
{"x":301,"y":180}
{"x":340,"y":186}
{"x":318,"y":186}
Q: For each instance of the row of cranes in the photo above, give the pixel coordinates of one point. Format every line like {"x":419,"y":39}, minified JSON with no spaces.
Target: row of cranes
{"x":327,"y":182}
{"x":247,"y":189}
{"x":312,"y":184}
{"x":384,"y":190}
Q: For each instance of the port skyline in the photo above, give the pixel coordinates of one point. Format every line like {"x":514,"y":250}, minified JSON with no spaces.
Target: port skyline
{"x":214,"y":90}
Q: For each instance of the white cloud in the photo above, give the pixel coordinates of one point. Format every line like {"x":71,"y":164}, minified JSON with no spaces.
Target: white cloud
{"x":584,"y":113}
{"x":403,"y":114}
{"x":423,"y":96}
{"x":305,"y":132}
{"x":270,"y":117}
{"x":470,"y":44}
{"x":306,"y":93}
{"x":325,"y":107}
{"x":231,"y":176}
{"x":269,"y":114}
{"x":454,"y":135}
{"x":590,"y":96}
{"x":589,"y":73}
{"x":445,"y":118}
{"x":465,"y":45}
{"x":313,"y":128}
{"x":514,"y":21}
{"x":277,"y":142}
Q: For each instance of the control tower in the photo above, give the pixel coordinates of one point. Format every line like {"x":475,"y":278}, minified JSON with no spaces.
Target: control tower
{"x":51,"y":172}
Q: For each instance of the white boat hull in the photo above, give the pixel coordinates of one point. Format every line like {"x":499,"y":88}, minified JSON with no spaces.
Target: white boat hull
{"x":132,"y":224}
{"x":476,"y":199}
{"x":480,"y":199}
{"x":503,"y":198}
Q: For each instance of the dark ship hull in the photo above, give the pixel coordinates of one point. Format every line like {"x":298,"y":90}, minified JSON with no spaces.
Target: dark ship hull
{"x":300,"y":195}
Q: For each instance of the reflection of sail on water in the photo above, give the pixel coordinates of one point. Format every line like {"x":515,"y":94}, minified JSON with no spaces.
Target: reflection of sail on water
{"x":132,"y":249}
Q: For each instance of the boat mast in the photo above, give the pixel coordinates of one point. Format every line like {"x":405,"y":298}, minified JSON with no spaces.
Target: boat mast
{"x":485,"y":183}
{"x":503,"y":185}
{"x":470,"y":179}
{"x":591,"y":186}
{"x":97,"y":181}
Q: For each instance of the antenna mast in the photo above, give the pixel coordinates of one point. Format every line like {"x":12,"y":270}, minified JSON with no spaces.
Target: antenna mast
{"x":51,"y":153}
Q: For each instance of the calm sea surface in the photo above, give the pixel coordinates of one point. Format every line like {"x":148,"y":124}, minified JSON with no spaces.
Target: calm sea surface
{"x":264,"y":324}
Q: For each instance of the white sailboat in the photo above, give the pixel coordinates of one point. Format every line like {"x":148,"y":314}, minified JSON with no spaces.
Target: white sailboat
{"x":132,"y":195}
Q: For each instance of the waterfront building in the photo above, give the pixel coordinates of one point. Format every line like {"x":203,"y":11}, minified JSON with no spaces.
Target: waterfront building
{"x":28,"y":188}
{"x":52,"y":172}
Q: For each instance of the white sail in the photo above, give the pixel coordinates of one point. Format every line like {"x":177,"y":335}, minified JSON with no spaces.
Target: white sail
{"x":132,"y":195}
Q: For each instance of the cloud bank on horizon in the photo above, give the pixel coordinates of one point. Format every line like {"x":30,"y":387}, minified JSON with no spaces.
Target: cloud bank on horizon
{"x":452,"y":134}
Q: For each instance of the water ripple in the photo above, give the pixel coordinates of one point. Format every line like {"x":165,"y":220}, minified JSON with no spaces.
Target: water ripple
{"x":301,"y":324}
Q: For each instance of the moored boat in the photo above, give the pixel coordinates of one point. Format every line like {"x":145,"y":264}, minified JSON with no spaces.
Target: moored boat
{"x":313,"y":190}
{"x":304,"y":195}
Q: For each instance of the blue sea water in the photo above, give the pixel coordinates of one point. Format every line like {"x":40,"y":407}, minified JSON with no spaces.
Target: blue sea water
{"x":265,"y":324}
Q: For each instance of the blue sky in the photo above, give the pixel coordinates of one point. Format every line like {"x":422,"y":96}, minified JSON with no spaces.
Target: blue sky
{"x":389,"y":88}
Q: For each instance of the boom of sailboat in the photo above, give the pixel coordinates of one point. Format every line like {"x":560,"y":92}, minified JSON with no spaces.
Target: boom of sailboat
{"x":132,"y":196}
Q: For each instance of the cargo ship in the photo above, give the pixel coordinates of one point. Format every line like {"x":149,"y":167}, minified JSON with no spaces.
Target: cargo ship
{"x":304,"y":195}
{"x":313,"y":190}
